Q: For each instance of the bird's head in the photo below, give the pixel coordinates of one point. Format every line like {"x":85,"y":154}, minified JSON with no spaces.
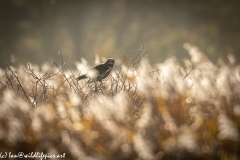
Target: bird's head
{"x":110,"y":62}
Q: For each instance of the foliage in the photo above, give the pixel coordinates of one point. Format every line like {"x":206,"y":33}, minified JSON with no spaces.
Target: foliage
{"x":166,"y":111}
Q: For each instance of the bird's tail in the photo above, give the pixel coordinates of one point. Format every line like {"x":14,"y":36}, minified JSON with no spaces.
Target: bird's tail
{"x":81,"y":77}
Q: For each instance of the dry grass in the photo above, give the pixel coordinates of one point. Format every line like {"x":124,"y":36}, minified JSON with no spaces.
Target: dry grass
{"x":166,"y":111}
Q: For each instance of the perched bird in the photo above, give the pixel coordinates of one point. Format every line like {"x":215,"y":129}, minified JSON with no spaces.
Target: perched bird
{"x":98,"y":72}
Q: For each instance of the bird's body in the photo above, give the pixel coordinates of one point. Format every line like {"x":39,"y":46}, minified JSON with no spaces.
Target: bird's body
{"x":98,"y":72}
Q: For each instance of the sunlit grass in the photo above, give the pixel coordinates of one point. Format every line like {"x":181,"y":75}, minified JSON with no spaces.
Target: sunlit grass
{"x":165,"y":111}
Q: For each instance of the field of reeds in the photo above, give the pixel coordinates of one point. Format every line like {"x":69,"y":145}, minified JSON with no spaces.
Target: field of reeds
{"x":168,"y":111}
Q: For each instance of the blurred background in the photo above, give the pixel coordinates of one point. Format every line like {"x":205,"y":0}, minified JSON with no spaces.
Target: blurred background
{"x":35,"y":31}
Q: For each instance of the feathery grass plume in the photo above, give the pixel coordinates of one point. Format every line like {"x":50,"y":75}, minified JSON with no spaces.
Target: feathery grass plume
{"x":140,"y":111}
{"x":227,"y":129}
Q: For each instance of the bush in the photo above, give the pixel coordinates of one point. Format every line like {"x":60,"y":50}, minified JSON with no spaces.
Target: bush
{"x":166,"y":111}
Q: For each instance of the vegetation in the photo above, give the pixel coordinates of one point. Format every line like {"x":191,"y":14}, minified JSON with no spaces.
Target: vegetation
{"x":167,"y":111}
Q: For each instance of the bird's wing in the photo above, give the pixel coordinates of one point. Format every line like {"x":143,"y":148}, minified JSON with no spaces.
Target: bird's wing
{"x":101,"y":68}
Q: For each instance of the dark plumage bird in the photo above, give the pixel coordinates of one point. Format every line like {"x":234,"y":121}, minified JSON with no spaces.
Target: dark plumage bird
{"x":98,"y":72}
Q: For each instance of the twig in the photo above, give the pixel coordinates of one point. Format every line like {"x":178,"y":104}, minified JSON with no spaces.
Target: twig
{"x":19,"y":84}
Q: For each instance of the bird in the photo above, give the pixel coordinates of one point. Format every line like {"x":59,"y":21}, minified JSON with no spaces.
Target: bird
{"x":99,"y":72}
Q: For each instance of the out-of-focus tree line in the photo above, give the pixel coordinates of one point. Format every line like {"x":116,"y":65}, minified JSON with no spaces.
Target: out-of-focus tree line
{"x":35,"y":31}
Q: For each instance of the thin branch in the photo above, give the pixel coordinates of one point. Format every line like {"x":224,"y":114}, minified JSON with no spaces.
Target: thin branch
{"x":19,"y":84}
